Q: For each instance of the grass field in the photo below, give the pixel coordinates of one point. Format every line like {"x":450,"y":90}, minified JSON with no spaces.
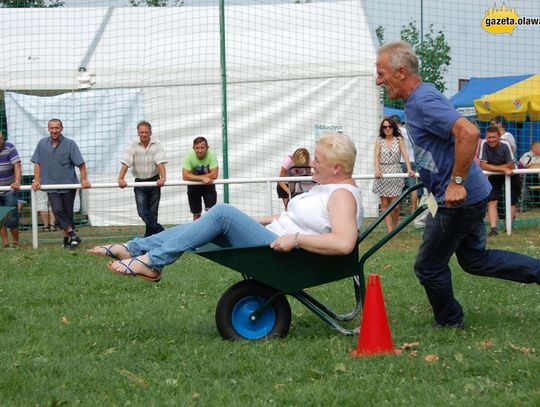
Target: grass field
{"x":74,"y":334}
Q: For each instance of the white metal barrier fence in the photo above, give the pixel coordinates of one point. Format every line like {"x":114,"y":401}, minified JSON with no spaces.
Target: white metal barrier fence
{"x":269,"y":188}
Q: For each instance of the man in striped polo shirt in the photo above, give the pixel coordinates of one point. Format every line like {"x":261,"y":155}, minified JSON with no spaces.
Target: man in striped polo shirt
{"x":146,"y":157}
{"x":10,"y":175}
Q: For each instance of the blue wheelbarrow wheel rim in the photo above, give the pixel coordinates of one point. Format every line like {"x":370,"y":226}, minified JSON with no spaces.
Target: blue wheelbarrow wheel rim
{"x":247,"y":328}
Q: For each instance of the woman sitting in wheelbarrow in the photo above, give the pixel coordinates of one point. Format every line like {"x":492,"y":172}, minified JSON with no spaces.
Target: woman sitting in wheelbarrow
{"x":324,"y":220}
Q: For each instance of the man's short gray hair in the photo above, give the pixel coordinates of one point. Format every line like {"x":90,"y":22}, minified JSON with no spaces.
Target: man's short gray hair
{"x":401,"y":55}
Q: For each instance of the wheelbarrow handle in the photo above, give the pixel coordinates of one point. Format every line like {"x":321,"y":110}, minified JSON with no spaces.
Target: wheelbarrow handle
{"x":389,"y":209}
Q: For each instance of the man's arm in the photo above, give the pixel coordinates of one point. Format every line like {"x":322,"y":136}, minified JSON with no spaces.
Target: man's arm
{"x":162,"y":175}
{"x":505,"y":168}
{"x":18,"y":175}
{"x":214,"y":172}
{"x":466,"y":137}
{"x":205,"y":178}
{"x":84,"y":180}
{"x":36,"y":183}
{"x":122,"y":183}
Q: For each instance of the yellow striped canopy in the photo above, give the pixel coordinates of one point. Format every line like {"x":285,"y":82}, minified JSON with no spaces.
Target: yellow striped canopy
{"x":518,"y":102}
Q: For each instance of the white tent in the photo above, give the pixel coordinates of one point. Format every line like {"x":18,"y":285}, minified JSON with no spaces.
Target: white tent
{"x":291,"y":70}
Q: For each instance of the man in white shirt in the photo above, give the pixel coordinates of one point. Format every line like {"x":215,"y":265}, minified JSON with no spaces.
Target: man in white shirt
{"x":146,"y":157}
{"x":409,"y":182}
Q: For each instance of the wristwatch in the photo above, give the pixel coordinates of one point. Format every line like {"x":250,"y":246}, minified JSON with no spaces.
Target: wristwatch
{"x":458,"y":180}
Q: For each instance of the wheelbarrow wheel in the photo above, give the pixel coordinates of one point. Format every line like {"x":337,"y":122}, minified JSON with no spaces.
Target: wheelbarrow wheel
{"x":237,"y":304}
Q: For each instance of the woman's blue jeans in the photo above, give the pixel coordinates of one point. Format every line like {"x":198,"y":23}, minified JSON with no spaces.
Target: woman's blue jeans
{"x":462,"y":231}
{"x":223,"y":224}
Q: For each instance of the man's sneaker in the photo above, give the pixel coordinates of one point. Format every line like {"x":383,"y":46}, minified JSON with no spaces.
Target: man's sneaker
{"x":65,"y":243}
{"x":74,"y":242}
{"x":493,"y":232}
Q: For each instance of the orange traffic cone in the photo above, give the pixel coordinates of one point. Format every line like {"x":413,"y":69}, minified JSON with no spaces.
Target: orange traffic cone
{"x":375,"y":337}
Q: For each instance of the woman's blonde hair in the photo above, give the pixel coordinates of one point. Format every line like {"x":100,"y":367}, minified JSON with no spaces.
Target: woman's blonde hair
{"x":339,"y":150}
{"x":301,"y":156}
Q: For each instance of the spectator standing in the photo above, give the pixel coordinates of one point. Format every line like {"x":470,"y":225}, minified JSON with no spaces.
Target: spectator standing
{"x":496,"y":155}
{"x":505,"y":135}
{"x":10,"y":175}
{"x":444,"y":146}
{"x":201,"y":165}
{"x":45,"y":212}
{"x":146,"y":157}
{"x":389,"y":148}
{"x":55,"y":159}
{"x":411,"y":181}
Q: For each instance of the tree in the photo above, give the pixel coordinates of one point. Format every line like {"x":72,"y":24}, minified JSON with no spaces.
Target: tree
{"x":30,"y":3}
{"x":433,"y":53}
{"x":379,"y":32}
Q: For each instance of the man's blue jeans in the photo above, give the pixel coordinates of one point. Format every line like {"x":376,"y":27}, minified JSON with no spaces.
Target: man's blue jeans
{"x":147,"y":200}
{"x":9,"y":198}
{"x":224,"y":225}
{"x":462,"y":231}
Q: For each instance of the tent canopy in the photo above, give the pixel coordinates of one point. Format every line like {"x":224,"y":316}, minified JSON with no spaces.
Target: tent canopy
{"x":477,"y":87}
{"x":292,"y":70}
{"x":390,"y":111}
{"x":518,"y":102}
{"x":178,"y":46}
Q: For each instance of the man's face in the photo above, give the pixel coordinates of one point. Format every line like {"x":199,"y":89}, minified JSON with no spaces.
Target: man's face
{"x":144,"y":133}
{"x":55,"y":130}
{"x":388,"y":78}
{"x":535,"y":149}
{"x":200,"y":150}
{"x":493,"y":139}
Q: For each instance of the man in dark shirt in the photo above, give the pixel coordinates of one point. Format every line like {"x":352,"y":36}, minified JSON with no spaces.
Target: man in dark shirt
{"x":55,"y":159}
{"x":496,"y":155}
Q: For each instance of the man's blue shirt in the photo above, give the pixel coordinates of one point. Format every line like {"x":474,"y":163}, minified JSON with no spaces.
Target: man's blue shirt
{"x":58,"y":163}
{"x":430,"y":118}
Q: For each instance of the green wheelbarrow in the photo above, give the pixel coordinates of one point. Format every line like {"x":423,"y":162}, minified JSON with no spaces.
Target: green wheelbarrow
{"x":257,"y":306}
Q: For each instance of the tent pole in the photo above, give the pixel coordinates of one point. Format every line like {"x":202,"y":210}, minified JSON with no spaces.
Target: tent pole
{"x":224,"y":128}
{"x":95,"y":41}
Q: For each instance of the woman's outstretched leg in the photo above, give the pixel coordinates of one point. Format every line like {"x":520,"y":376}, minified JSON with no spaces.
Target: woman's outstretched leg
{"x":223,"y":221}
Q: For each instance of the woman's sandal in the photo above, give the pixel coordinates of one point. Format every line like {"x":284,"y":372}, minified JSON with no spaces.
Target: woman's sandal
{"x":128,"y":271}
{"x":108,"y":251}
